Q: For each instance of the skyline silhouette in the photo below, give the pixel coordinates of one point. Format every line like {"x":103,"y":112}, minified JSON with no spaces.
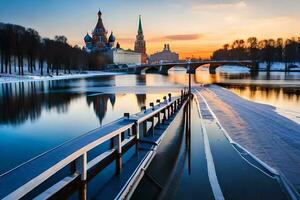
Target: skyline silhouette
{"x":214,"y":22}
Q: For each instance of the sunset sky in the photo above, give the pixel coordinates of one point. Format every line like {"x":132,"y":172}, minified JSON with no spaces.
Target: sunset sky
{"x":191,"y":27}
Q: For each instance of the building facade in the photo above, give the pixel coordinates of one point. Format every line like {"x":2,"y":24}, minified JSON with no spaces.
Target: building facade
{"x":140,"y":43}
{"x":121,"y":56}
{"x":98,"y":42}
{"x":166,"y":55}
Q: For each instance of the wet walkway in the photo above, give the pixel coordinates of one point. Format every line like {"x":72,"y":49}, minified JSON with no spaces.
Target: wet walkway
{"x":180,"y":172}
{"x":239,"y":175}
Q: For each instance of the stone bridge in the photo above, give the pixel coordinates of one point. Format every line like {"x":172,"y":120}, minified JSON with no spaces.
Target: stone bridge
{"x":163,"y":68}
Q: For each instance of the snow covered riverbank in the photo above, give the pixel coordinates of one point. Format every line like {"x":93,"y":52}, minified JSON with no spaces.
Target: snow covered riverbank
{"x":259,"y":128}
{"x":6,"y":78}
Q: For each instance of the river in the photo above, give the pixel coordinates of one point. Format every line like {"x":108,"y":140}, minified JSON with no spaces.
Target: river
{"x":37,"y":116}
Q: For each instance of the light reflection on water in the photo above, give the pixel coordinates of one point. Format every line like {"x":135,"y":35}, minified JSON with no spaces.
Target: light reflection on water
{"x":285,"y":98}
{"x":278,"y":89}
{"x":37,"y":116}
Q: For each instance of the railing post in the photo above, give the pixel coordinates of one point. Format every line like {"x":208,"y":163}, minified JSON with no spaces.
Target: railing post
{"x":175,"y":105}
{"x":118,"y":147}
{"x":143,"y":108}
{"x":81,"y":166}
{"x":158,"y":114}
{"x":166,"y":114}
{"x":165,"y":99}
{"x":152,"y":126}
{"x":152,"y":105}
{"x":83,"y":190}
{"x":136,"y":132}
{"x":181,"y":97}
{"x":144,"y":128}
{"x":126,"y":115}
{"x":144,"y":123}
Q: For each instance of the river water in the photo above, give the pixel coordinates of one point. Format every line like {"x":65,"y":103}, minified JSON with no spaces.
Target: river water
{"x":37,"y":116}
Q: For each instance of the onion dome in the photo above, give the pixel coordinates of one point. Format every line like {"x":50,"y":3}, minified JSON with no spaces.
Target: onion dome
{"x":111,"y":38}
{"x":87,"y":38}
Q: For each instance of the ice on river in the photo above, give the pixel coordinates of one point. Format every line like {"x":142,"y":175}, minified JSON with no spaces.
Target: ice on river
{"x":260,"y":129}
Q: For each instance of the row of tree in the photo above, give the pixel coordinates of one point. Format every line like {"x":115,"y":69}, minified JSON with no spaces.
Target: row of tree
{"x":20,"y":46}
{"x":268,"y":51}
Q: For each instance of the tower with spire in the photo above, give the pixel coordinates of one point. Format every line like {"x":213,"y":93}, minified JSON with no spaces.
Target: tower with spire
{"x":99,"y":34}
{"x":140,"y":43}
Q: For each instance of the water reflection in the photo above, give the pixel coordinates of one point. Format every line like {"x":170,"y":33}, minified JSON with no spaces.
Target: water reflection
{"x":280,"y":89}
{"x":203,"y":76}
{"x":141,"y":99}
{"x":282,"y":97}
{"x":99,"y":104}
{"x":20,"y":102}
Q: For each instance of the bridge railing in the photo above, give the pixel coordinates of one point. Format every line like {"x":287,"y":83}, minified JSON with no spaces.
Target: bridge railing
{"x":23,"y":179}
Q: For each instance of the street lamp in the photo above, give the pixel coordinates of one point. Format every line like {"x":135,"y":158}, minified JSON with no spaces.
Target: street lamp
{"x":189,"y":71}
{"x":188,"y":134}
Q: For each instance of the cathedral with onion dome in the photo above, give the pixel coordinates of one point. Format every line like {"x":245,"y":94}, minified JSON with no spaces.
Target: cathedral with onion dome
{"x":98,"y":42}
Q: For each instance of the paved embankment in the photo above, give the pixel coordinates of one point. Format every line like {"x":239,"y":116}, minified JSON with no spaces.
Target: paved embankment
{"x":238,"y":174}
{"x":271,"y":137}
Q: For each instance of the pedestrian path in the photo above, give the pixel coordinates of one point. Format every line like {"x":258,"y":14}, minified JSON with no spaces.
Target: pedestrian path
{"x":238,"y":174}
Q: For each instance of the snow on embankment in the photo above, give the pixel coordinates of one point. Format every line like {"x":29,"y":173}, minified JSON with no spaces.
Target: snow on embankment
{"x":260,"y":129}
{"x":12,"y":78}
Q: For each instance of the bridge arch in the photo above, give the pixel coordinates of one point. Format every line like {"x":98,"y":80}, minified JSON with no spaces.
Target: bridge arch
{"x":214,"y":65}
{"x":150,"y":69}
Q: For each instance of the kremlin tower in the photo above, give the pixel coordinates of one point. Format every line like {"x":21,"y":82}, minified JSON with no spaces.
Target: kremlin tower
{"x":140,"y":43}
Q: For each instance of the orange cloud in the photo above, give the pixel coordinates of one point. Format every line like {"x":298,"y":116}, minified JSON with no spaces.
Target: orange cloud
{"x":235,"y":5}
{"x":181,"y":37}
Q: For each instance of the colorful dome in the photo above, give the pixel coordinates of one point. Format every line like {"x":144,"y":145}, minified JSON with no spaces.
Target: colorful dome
{"x":87,"y":38}
{"x":111,"y":38}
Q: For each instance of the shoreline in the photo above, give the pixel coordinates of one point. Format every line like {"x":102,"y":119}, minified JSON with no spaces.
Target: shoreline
{"x":261,"y":83}
{"x":31,"y":78}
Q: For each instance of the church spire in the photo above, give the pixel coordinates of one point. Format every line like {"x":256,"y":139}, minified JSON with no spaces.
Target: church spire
{"x":99,"y":13}
{"x":140,"y":31}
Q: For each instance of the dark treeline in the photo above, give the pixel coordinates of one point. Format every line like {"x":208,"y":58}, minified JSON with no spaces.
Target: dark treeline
{"x":21,"y":47}
{"x":269,"y":51}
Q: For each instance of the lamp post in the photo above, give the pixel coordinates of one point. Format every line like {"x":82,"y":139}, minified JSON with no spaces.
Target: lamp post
{"x":189,"y":120}
{"x":189,"y":71}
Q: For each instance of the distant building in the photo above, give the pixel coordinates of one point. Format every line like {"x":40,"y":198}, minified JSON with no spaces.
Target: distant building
{"x":165,"y":55}
{"x":99,"y":43}
{"x":140,"y":43}
{"x":121,"y":56}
